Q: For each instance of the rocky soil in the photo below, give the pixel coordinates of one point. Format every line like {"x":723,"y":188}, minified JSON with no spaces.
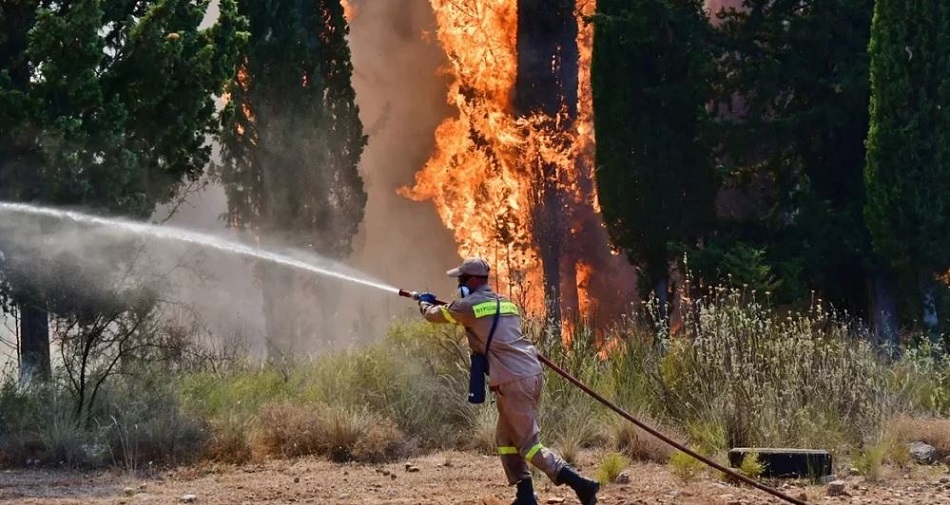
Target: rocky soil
{"x":443,"y":478}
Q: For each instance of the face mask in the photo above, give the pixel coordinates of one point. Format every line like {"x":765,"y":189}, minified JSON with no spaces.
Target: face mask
{"x":464,"y":291}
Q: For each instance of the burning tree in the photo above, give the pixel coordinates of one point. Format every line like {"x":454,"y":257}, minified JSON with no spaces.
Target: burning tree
{"x":291,"y":145}
{"x":512,"y":174}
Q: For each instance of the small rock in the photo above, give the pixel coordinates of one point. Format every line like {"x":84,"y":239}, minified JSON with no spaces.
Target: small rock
{"x":922,"y":453}
{"x":803,"y":497}
{"x":825,"y":479}
{"x":555,"y":499}
{"x":393,"y":476}
{"x":188,"y":498}
{"x":411,"y":468}
{"x":836,"y":488}
{"x":128,"y":491}
{"x":623,"y":478}
{"x":854,"y":471}
{"x":944,"y":480}
{"x":296,"y":480}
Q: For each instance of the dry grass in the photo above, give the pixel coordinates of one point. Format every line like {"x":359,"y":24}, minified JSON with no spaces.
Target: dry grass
{"x":483,"y":430}
{"x":289,"y":430}
{"x":342,"y":434}
{"x":935,"y":432}
{"x":637,"y":444}
{"x":230,"y":441}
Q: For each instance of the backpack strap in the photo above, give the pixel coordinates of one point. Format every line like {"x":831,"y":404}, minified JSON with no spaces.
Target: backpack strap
{"x":494,"y":324}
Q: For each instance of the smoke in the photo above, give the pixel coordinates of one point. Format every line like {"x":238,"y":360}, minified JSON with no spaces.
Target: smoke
{"x":401,"y":99}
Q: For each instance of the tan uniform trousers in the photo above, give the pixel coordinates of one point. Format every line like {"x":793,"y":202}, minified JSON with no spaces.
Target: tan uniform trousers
{"x":517,"y":434}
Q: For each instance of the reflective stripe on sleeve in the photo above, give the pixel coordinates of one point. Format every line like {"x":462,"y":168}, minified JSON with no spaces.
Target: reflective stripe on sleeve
{"x":507,"y":449}
{"x":489,"y":308}
{"x":447,"y":315}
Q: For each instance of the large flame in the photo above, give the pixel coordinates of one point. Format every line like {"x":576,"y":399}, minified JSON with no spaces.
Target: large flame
{"x":485,"y":173}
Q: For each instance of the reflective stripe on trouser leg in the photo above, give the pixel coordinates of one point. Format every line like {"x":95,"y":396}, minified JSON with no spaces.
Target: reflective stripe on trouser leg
{"x":517,"y":422}
{"x":515,"y":467}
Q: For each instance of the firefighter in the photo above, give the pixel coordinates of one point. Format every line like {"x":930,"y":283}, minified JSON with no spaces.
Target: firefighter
{"x":515,"y":379}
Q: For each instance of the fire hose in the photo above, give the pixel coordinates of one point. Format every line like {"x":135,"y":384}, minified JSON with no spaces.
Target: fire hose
{"x":626,"y":415}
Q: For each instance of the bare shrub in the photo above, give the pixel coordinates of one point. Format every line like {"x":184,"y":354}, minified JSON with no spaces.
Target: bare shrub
{"x":383,"y":441}
{"x":230,"y":440}
{"x":144,"y":420}
{"x":339,"y":433}
{"x":290,"y":430}
{"x":636,"y":444}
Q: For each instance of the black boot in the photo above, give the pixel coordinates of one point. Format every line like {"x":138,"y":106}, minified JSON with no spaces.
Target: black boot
{"x":525,"y":494}
{"x":586,"y":489}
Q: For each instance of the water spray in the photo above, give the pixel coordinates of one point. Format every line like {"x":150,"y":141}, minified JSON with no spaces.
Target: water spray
{"x":649,"y":429}
{"x":174,"y":234}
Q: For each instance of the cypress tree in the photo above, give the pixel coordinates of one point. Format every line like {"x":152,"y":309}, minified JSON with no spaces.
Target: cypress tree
{"x":291,"y":145}
{"x":908,"y":158}
{"x":650,"y":71}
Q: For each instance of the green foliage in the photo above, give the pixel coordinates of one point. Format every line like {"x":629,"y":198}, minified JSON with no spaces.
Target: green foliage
{"x":908,"y":157}
{"x":120,"y":119}
{"x":794,"y":90}
{"x":870,"y":459}
{"x":610,"y":467}
{"x":650,"y":67}
{"x":751,"y":466}
{"x":684,"y":466}
{"x":736,"y":263}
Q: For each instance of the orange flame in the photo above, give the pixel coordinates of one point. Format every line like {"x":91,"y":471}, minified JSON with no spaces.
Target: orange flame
{"x":478,"y":178}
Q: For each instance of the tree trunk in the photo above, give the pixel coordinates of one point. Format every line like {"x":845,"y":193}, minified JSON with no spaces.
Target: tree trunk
{"x":883,"y":310}
{"x":280,"y":338}
{"x":547,"y":83}
{"x":34,"y":344}
{"x":929,"y":317}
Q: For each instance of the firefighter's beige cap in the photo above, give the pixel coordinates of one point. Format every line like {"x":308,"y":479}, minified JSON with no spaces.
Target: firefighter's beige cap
{"x":476,"y":267}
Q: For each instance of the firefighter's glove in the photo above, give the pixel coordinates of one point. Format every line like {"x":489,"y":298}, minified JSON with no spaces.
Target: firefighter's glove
{"x":426,"y":298}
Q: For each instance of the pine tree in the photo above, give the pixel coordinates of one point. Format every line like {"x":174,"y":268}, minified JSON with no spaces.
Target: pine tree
{"x":650,"y":71}
{"x":106,"y":104}
{"x":908,"y":157}
{"x":292,"y":142}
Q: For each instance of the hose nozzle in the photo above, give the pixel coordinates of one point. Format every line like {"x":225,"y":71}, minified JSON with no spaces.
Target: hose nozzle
{"x":409,"y":294}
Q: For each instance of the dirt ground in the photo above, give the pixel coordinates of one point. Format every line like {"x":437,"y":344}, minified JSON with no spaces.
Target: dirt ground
{"x":442,"y":478}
